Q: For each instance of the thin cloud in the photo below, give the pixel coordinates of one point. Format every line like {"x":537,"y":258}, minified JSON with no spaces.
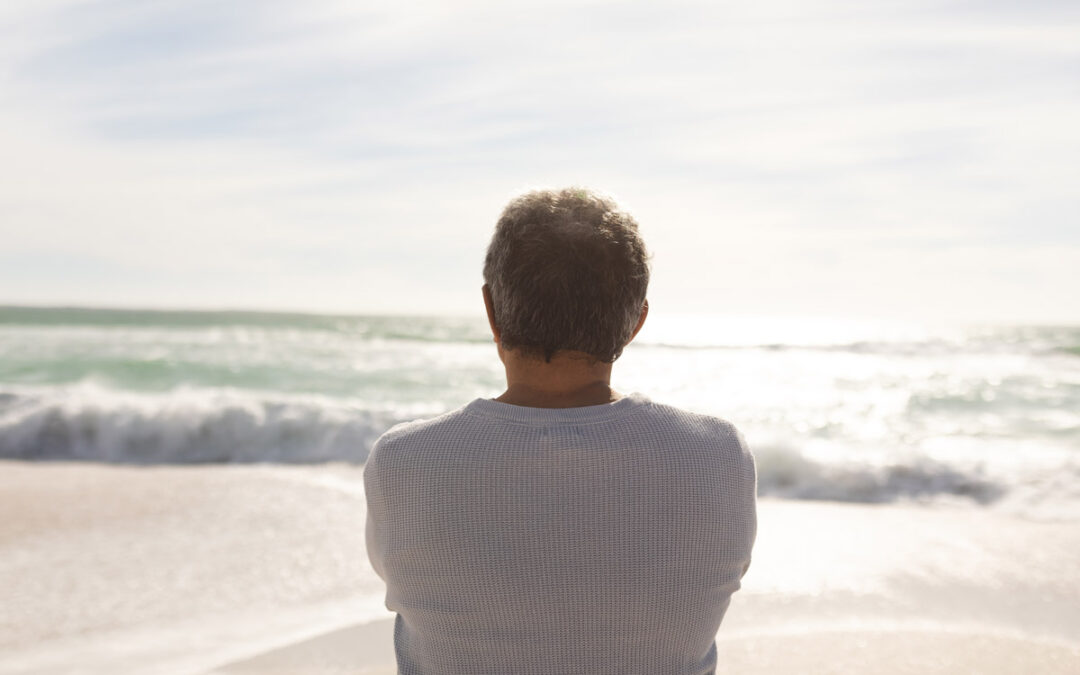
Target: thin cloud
{"x":233,"y":136}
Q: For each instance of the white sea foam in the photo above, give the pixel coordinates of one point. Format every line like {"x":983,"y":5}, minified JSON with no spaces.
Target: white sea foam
{"x":88,"y":422}
{"x":189,"y":426}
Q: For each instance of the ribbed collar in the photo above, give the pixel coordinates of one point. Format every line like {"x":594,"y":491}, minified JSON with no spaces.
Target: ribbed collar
{"x":555,"y":416}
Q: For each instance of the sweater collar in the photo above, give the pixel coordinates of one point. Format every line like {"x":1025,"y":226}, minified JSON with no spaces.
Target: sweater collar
{"x":544,"y":416}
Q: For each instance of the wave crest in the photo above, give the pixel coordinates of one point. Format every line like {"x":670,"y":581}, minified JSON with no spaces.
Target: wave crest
{"x":183,"y":427}
{"x":785,"y":472}
{"x":89,"y":422}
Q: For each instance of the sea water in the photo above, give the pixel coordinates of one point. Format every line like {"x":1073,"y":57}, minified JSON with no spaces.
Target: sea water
{"x":833,"y":409}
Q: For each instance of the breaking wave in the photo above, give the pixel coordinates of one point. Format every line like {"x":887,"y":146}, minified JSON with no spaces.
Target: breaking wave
{"x":196,"y":426}
{"x":183,"y":427}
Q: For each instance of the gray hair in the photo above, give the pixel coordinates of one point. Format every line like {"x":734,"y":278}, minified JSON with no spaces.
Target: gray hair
{"x":567,"y":270}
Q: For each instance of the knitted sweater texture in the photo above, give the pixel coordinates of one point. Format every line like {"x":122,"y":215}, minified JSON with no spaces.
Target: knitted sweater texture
{"x":541,"y":541}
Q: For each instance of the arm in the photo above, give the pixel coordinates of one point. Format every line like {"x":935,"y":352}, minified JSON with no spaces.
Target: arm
{"x":749,"y":494}
{"x":376,"y":510}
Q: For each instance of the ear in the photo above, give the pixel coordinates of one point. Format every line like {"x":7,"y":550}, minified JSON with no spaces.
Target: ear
{"x":640,"y":322}
{"x":489,"y":305}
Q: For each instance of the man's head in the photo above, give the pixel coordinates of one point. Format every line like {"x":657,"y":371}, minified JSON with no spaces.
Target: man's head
{"x":566,"y":270}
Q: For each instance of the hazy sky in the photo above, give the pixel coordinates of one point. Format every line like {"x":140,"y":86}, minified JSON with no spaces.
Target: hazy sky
{"x":855,"y":158}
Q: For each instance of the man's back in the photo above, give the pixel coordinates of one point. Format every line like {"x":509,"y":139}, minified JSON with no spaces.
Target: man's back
{"x":600,"y":539}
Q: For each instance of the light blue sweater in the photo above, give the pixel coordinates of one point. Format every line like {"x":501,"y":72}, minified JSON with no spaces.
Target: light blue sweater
{"x":548,"y":541}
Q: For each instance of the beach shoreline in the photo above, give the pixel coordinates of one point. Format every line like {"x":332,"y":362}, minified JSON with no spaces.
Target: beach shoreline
{"x":261,"y":568}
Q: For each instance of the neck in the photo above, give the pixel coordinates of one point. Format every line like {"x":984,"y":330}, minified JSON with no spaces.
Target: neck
{"x":570,"y":380}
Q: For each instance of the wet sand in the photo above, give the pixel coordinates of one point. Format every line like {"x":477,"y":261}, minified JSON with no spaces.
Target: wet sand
{"x":261,"y":569}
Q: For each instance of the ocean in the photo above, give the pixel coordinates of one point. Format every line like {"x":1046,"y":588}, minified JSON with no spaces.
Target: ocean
{"x":833,"y":409}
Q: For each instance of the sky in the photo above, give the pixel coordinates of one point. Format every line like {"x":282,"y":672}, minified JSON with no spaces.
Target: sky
{"x":916,"y":159}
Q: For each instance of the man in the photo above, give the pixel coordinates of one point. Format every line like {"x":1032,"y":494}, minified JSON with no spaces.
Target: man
{"x":561,"y":528}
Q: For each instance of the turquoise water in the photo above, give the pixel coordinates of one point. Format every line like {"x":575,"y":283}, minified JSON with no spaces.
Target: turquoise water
{"x":836,"y":409}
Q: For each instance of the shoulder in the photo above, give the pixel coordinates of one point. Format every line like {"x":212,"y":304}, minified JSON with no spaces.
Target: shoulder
{"x":690,"y":423}
{"x":417,"y":429}
{"x":419,"y":432}
{"x":700,"y":429}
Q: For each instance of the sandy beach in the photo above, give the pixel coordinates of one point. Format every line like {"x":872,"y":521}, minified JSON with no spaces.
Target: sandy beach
{"x":261,"y":569}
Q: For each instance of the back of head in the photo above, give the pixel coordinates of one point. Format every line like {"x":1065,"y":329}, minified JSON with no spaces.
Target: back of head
{"x":567,"y":270}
